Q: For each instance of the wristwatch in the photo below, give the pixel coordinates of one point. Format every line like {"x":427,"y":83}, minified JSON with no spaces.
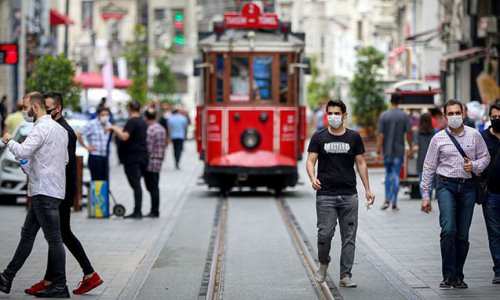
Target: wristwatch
{"x":6,"y":141}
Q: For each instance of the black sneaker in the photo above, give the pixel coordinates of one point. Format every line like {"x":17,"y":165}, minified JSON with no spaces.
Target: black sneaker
{"x":460,"y":284}
{"x":447,"y":284}
{"x":496,"y":280}
{"x":152,"y":215}
{"x":134,"y":216}
{"x":5,"y":284}
{"x":54,"y":291}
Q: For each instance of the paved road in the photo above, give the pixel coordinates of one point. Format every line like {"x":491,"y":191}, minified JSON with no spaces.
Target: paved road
{"x":397,"y":252}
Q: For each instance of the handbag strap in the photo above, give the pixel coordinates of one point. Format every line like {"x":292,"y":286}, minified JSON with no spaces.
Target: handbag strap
{"x":459,"y":148}
{"x":457,"y":145}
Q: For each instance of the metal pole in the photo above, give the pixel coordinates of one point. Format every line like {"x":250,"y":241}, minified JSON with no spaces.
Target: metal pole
{"x":66,"y":31}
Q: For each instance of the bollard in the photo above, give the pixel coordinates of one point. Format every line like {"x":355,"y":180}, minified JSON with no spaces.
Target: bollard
{"x":79,"y":183}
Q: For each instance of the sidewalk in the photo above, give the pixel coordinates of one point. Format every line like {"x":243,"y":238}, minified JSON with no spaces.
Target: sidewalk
{"x":408,"y":242}
{"x":117,"y":248}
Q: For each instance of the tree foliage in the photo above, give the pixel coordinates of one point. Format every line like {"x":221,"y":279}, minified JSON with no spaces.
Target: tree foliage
{"x":366,"y":90}
{"x":55,"y":73}
{"x":318,"y":91}
{"x":136,"y":53}
{"x":164,"y":81}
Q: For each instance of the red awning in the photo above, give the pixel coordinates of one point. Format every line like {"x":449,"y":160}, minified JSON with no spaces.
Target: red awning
{"x":94,"y":80}
{"x":57,"y":18}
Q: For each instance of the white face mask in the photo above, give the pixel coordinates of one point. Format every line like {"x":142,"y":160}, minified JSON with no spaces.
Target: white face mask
{"x":455,"y":121}
{"x":335,"y":121}
{"x":26,"y":117}
{"x":104,"y":120}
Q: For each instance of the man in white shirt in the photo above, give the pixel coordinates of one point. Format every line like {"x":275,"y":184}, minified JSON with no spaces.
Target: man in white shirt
{"x":240,"y":85}
{"x":45,"y":148}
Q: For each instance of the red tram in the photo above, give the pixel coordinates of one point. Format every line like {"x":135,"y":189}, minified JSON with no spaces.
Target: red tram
{"x":251,"y":122}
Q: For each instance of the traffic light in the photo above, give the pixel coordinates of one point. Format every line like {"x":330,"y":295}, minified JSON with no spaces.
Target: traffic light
{"x":179,"y":38}
{"x":9,"y":54}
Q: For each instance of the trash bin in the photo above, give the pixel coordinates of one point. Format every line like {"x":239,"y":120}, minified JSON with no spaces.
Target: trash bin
{"x":99,"y":199}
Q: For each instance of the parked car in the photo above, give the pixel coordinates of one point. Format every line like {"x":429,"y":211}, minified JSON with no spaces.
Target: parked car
{"x":13,"y":182}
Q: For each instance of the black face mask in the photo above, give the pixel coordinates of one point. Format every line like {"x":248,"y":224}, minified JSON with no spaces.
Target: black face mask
{"x":49,"y":112}
{"x":495,"y":124}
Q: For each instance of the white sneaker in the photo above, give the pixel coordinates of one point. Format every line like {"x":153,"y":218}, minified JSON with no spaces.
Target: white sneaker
{"x":321,"y":273}
{"x":347,"y":282}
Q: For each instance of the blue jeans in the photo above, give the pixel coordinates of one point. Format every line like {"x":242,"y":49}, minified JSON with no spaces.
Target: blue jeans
{"x":42,"y":213}
{"x":491,"y":211}
{"x":456,"y":206}
{"x":392,"y":168}
{"x":328,"y":210}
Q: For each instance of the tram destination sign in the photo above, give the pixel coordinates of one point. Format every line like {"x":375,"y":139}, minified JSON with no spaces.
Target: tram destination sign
{"x":251,"y":17}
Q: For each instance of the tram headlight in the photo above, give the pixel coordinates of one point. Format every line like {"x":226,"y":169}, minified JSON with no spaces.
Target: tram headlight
{"x":250,"y":139}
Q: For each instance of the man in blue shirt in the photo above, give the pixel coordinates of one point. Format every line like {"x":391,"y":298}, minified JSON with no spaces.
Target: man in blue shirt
{"x":177,"y":125}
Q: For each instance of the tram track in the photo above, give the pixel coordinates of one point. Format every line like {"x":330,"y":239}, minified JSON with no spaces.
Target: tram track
{"x":212,"y":286}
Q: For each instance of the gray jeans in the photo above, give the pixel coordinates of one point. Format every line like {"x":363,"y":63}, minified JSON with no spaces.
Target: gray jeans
{"x":328,"y":210}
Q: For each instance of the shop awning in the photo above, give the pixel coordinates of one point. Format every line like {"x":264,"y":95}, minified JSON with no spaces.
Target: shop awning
{"x":461,"y":55}
{"x":95,"y":80}
{"x":57,"y":18}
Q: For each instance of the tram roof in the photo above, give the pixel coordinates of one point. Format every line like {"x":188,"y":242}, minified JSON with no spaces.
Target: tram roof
{"x":240,"y":41}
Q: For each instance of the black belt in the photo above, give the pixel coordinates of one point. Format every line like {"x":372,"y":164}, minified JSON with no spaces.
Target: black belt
{"x":459,"y":180}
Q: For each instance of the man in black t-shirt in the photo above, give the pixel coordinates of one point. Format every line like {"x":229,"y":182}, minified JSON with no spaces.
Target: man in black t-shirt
{"x":491,"y":207}
{"x":336,"y":149}
{"x":134,"y":152}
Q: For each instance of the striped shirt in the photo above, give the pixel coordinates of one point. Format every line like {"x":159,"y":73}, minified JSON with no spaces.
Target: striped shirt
{"x":444,"y":159}
{"x":96,"y":136}
{"x":156,"y":140}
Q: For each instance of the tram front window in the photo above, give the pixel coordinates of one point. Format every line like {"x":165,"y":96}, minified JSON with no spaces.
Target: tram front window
{"x":240,"y":80}
{"x":262,"y":72}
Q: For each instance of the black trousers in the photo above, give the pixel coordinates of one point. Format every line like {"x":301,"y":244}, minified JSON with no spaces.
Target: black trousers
{"x":43,"y":212}
{"x":98,"y":166}
{"x":72,"y":243}
{"x":134,"y":172}
{"x":152,"y":179}
{"x":178,"y":146}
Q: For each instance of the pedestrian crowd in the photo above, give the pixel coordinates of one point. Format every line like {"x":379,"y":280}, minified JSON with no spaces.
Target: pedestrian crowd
{"x":48,"y":158}
{"x":456,"y":164}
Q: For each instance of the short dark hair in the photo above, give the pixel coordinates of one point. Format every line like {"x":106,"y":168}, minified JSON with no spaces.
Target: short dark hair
{"x":452,"y":102}
{"x":36,"y":97}
{"x":396,"y":98}
{"x":495,"y":105}
{"x":150,"y":114}
{"x":339,"y":103}
{"x":58,"y":98}
{"x":103,"y":108}
{"x":134,"y":106}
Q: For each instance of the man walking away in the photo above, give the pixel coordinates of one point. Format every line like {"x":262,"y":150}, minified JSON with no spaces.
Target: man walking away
{"x":46,"y":150}
{"x":134,"y":152}
{"x":156,"y":140}
{"x":54,"y":104}
{"x":336,"y":149}
{"x":177,"y":125}
{"x":98,"y":143}
{"x":491,"y":207}
{"x":456,"y":189}
{"x":392,"y":127}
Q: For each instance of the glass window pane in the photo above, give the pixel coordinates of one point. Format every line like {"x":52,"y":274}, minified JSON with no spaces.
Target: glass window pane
{"x":283,"y":78}
{"x":263,"y":71}
{"x":240,"y":80}
{"x":220,"y":79}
